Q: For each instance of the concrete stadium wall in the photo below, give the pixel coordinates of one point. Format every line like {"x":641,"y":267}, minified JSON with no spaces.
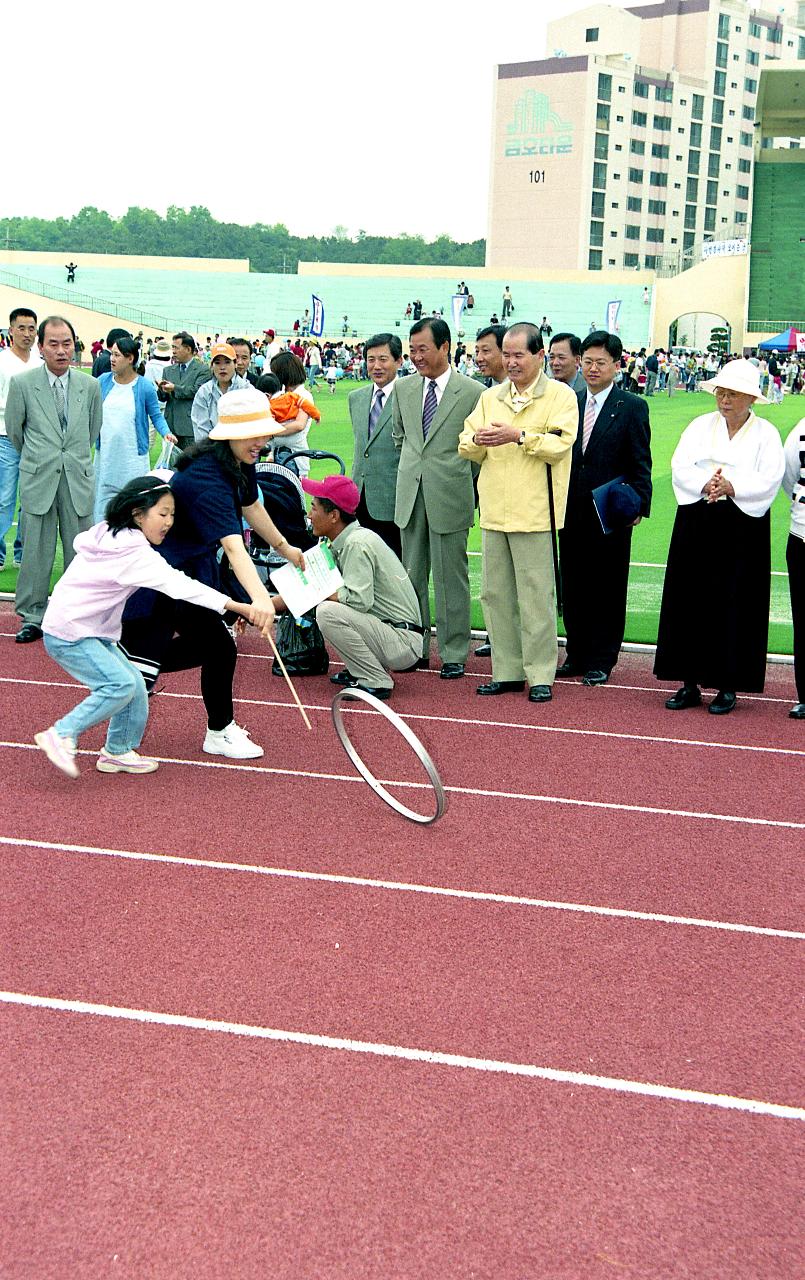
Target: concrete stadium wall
{"x":717,"y":285}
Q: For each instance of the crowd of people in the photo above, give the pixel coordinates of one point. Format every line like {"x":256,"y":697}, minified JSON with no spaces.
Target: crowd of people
{"x":552,"y":446}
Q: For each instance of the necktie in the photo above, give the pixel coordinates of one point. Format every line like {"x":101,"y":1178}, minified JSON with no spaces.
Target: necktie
{"x":429,"y":408}
{"x":58,"y":395}
{"x":181,"y":371}
{"x":589,"y":423}
{"x":377,"y":409}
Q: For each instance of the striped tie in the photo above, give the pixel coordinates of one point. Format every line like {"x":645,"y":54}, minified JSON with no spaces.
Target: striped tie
{"x":61,"y":410}
{"x":376,"y":410}
{"x":589,"y":423}
{"x":429,"y":408}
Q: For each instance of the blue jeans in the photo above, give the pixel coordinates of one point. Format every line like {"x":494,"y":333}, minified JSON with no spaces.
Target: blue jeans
{"x":312,"y":373}
{"x":118,"y":691}
{"x":9,"y":473}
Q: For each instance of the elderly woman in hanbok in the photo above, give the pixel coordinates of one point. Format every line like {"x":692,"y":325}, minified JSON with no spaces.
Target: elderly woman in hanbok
{"x":714,"y":618}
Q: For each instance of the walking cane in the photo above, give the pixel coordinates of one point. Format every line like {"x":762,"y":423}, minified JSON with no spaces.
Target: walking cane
{"x":557,"y":573}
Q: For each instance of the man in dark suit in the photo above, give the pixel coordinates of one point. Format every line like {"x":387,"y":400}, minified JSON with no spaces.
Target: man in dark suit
{"x":375,"y":459}
{"x":179,"y":386}
{"x":244,"y":352}
{"x":53,"y":419}
{"x":435,"y":504}
{"x":103,"y":360}
{"x":613,"y":441}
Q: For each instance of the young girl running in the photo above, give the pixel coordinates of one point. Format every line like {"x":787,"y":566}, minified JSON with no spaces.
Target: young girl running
{"x":82,"y":624}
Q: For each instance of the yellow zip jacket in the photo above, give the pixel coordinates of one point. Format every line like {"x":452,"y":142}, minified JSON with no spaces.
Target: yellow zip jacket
{"x":513,"y":482}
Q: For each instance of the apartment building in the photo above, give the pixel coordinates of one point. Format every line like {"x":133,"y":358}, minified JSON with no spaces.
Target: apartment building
{"x":633,"y":143}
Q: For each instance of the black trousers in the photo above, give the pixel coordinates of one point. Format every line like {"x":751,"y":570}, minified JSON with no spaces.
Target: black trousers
{"x":795,"y":559}
{"x":177,"y":636}
{"x":386,"y":529}
{"x":595,"y":578}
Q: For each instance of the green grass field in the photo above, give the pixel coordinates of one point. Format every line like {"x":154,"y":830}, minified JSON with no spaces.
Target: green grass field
{"x":650,"y":542}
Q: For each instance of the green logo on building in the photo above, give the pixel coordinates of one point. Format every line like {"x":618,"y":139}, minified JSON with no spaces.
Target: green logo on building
{"x":536,"y":130}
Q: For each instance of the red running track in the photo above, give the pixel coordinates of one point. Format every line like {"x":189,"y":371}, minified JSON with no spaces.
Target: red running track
{"x":171,"y":1151}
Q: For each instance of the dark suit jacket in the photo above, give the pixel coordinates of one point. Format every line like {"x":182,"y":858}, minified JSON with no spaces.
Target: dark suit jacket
{"x":620,"y":445}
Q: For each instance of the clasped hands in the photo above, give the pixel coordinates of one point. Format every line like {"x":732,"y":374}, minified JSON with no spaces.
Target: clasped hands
{"x":496,"y":433}
{"x":718,"y":486}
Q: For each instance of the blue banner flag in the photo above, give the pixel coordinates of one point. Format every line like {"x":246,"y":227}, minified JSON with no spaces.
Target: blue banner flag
{"x":317,"y":324}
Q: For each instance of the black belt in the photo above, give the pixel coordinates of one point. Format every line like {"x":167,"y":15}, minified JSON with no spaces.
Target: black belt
{"x":405,"y":626}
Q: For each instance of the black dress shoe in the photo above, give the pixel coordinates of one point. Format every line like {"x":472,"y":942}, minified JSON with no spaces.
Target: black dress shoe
{"x":687,"y":696}
{"x":383,"y":693}
{"x":722,"y":703}
{"x":30,"y":631}
{"x":501,"y":686}
{"x":540,"y":693}
{"x":595,"y":677}
{"x":452,"y":670}
{"x":568,"y":669}
{"x":797,"y":712}
{"x":484,"y":650}
{"x":343,"y":677}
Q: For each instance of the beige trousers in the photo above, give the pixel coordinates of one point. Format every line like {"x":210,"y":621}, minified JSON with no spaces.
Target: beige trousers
{"x":519,"y":602}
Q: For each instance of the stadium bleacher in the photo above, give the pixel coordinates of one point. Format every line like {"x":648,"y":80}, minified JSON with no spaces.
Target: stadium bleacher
{"x":211,"y":302}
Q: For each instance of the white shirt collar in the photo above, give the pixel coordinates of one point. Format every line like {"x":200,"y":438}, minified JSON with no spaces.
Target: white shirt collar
{"x":54,"y":377}
{"x":599,"y":397}
{"x":385,"y":391}
{"x":441,"y":383}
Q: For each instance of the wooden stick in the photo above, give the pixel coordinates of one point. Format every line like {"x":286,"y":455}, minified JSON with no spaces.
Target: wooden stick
{"x":288,"y":681}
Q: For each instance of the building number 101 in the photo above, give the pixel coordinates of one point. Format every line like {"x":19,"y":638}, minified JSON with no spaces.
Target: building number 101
{"x":537,"y":175}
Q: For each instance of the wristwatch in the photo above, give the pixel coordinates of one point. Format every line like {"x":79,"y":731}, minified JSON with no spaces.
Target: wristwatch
{"x":522,"y":438}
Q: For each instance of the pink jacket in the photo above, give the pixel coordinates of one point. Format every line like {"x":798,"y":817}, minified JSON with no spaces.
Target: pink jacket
{"x":88,"y":600}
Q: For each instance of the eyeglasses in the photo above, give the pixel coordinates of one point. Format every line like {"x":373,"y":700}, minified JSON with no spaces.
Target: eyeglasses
{"x":596,"y":364}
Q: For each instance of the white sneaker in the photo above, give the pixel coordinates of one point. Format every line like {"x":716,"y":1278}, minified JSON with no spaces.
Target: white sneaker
{"x":233,"y":741}
{"x":127,"y":762}
{"x":59,"y":751}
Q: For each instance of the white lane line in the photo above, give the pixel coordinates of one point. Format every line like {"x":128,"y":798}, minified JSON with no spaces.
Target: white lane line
{"x":402,"y":1052}
{"x":529,"y":796}
{"x":401,"y":886}
{"x":659,"y":739}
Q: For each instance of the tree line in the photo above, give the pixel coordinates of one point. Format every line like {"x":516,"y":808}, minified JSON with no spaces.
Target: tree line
{"x":194,"y":233}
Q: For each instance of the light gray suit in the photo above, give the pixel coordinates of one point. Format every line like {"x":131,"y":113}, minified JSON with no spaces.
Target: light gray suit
{"x":374,"y":464}
{"x":57,"y":478}
{"x":435,"y":506}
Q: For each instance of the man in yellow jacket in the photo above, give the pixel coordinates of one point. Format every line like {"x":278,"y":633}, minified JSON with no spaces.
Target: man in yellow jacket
{"x":516,"y":432}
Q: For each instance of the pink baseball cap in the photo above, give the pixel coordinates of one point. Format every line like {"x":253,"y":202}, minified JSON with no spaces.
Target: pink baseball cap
{"x":340,"y":490}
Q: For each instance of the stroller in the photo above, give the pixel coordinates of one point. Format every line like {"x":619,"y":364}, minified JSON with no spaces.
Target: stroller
{"x":300,"y":643}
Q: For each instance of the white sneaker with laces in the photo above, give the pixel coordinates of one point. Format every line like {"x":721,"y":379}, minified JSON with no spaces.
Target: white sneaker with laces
{"x":126,"y":762}
{"x":233,"y":741}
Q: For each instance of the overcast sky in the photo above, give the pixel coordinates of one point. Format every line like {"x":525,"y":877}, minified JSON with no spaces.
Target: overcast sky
{"x":365,"y":116}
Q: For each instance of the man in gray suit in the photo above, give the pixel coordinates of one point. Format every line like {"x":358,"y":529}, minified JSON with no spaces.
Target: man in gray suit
{"x":178,"y":387}
{"x":53,"y":418}
{"x":564,"y":360}
{"x":375,"y":459}
{"x":435,"y":504}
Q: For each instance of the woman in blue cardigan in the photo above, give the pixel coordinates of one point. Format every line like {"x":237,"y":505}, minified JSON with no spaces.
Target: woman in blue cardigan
{"x":129,"y":401}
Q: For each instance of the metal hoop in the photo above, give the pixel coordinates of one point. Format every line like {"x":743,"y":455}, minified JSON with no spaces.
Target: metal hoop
{"x":360,"y":695}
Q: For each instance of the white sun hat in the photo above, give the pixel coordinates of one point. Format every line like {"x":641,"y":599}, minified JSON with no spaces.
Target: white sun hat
{"x":244,"y":414}
{"x":737,"y":375}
